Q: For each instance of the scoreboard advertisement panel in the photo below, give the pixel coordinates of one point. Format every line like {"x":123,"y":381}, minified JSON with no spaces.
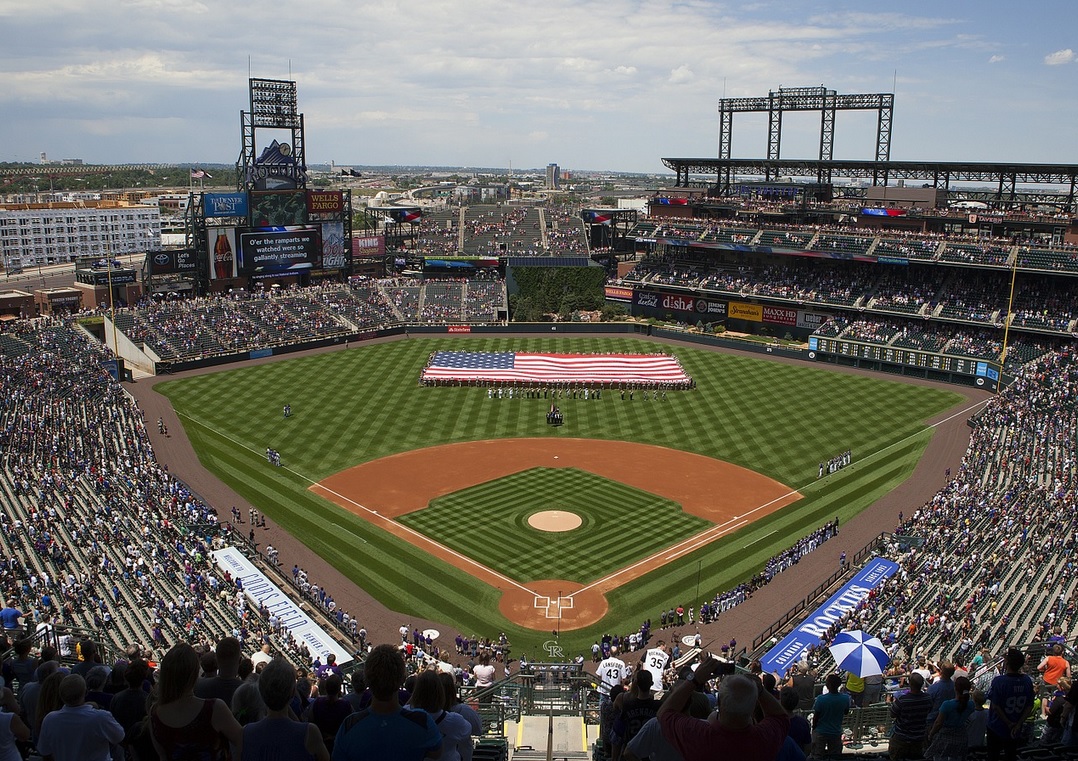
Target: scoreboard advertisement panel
{"x":278,"y":250}
{"x":928,"y":360}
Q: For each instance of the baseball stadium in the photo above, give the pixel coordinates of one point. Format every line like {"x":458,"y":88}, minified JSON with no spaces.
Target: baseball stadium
{"x":738,"y":424}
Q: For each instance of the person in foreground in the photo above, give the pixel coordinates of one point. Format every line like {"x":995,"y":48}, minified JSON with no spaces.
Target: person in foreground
{"x":185,"y":726}
{"x":385,"y":730}
{"x":1011,"y":702}
{"x":78,"y":731}
{"x":277,"y":737}
{"x":735,"y":735}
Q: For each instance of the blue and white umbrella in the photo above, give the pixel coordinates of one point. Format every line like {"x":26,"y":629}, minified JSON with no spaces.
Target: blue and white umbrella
{"x":858,"y":653}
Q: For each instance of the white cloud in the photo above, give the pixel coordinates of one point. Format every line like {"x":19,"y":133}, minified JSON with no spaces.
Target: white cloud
{"x":1059,"y":57}
{"x":681,"y":75}
{"x":476,"y":76}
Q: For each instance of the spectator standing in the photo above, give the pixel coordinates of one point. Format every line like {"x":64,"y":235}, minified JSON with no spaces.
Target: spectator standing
{"x":948,"y":740}
{"x":734,"y":734}
{"x":1054,"y":666}
{"x":855,"y":688}
{"x":10,"y":617}
{"x":975,"y":727}
{"x":129,"y":705}
{"x":277,"y":736}
{"x":800,"y":729}
{"x":632,"y":710}
{"x":183,"y":725}
{"x":12,"y":728}
{"x":328,"y":710}
{"x":910,"y":712}
{"x":940,"y":690}
{"x":78,"y":731}
{"x":453,"y":703}
{"x":804,"y":683}
{"x":429,"y":696}
{"x":827,"y":713}
{"x":227,"y":680}
{"x":1010,"y":704}
{"x":385,"y":730}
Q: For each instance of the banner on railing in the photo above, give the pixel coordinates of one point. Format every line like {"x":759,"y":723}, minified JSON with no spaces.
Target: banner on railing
{"x":260,"y":590}
{"x":793,"y":646}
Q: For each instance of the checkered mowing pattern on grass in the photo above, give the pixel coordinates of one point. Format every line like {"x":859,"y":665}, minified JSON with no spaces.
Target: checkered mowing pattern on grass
{"x":543,"y":369}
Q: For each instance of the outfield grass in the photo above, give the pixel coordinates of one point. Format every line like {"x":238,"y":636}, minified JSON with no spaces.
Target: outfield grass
{"x":489,"y":522}
{"x":361,"y":404}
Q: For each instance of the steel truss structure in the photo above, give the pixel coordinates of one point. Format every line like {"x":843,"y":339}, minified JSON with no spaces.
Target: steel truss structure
{"x":1004,"y":177}
{"x":821,"y":99}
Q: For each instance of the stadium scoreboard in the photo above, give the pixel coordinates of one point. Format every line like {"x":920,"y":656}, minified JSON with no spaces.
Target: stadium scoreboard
{"x":926,"y":360}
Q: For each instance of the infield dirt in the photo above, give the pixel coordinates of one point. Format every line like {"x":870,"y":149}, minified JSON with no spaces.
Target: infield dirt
{"x":724,"y":494}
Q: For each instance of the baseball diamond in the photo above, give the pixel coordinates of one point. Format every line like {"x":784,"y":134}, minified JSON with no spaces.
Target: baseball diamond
{"x":772,"y":420}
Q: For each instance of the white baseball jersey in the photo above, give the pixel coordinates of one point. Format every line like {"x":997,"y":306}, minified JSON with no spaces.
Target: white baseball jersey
{"x":611,"y":672}
{"x":655,"y":661}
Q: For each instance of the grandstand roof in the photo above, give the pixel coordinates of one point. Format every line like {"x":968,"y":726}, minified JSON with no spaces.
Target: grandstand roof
{"x":939,"y":174}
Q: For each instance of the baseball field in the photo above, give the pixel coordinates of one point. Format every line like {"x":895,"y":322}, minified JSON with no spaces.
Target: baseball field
{"x":446,"y":504}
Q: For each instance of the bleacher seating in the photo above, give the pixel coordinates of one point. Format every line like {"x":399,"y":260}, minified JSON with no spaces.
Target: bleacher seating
{"x":191,"y":329}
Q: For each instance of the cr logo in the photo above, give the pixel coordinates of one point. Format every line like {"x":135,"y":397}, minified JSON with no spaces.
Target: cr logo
{"x":553,"y":649}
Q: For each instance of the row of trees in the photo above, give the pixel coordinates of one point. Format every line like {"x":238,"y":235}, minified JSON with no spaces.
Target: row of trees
{"x":544,"y":293}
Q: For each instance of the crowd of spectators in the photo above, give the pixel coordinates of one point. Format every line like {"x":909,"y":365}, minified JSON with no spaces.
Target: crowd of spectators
{"x":105,"y":558}
{"x":984,"y":565}
{"x":230,"y":323}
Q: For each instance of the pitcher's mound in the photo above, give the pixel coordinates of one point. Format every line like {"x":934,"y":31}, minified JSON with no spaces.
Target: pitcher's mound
{"x":555,"y":520}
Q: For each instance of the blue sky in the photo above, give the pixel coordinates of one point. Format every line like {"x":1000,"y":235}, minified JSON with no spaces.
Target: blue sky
{"x":616,"y":84}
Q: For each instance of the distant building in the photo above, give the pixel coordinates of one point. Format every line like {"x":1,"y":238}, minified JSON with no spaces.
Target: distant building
{"x":553,"y":177}
{"x":30,"y":237}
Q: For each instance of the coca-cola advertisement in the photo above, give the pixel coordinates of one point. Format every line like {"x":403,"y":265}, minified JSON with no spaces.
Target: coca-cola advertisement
{"x":221,"y":243}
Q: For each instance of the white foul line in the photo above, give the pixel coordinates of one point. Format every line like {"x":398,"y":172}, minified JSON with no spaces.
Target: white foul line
{"x":366,"y":509}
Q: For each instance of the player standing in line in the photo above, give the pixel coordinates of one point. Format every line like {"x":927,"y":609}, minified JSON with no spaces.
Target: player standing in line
{"x":611,"y":671}
{"x":655,"y":660}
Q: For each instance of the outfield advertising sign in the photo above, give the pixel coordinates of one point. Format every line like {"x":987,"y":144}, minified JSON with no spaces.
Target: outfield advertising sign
{"x":780,"y":315}
{"x":225,"y":204}
{"x":808,"y":633}
{"x":812,"y":320}
{"x":171,"y":262}
{"x":739,"y":310}
{"x":613,"y":293}
{"x":671,"y":302}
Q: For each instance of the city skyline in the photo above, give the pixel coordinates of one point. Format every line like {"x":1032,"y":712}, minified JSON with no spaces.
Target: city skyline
{"x":591,"y":86}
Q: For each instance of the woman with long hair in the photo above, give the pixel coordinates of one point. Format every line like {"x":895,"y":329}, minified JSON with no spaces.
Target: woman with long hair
{"x":456,"y":731}
{"x":186,"y":727}
{"x":48,"y":699}
{"x":948,"y":740}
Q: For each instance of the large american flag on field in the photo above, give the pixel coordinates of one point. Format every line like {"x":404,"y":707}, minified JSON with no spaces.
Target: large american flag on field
{"x":509,"y":366}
